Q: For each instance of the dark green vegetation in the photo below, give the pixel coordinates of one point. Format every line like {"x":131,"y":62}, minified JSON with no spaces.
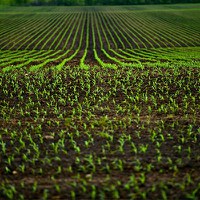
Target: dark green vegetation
{"x":100,"y":102}
{"x":93,"y":2}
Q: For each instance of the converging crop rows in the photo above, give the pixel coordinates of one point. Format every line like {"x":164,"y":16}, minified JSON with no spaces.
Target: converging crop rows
{"x":105,"y":36}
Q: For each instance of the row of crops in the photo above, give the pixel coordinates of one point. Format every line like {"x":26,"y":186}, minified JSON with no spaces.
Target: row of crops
{"x":33,"y":60}
{"x":111,"y":31}
{"x":95,"y":36}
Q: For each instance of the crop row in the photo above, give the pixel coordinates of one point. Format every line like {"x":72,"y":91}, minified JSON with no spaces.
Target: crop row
{"x":117,"y":30}
{"x":94,"y":36}
{"x":34,"y":59}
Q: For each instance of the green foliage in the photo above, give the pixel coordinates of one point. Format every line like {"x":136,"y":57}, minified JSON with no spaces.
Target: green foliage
{"x":92,"y":2}
{"x":101,"y":102}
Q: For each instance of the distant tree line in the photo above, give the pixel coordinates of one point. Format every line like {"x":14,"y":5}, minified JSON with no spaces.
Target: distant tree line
{"x":93,"y":2}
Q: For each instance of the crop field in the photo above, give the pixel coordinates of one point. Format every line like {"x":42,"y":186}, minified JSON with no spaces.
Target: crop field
{"x":100,"y":102}
{"x":103,"y":36}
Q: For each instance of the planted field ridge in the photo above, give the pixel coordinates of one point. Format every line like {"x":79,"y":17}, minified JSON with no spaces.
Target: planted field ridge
{"x":95,"y":35}
{"x":100,"y":102}
{"x":102,"y":28}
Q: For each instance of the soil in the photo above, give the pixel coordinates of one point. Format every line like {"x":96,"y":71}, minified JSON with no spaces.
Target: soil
{"x":164,"y":177}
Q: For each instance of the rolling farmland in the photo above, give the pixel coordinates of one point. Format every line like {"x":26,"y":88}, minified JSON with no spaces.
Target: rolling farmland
{"x":95,"y":36}
{"x":100,"y":102}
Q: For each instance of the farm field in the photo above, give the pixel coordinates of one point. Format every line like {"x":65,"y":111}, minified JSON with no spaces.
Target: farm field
{"x":100,"y":102}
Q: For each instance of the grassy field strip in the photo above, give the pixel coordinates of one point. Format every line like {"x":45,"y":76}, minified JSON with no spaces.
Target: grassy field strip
{"x":173,"y":30}
{"x":36,"y":57}
{"x":76,"y":24}
{"x":160,"y":39}
{"x":44,"y":32}
{"x":157,"y":26}
{"x":35,"y":54}
{"x":60,"y":34}
{"x":143,"y":42}
{"x":147,"y":27}
{"x":94,"y":33}
{"x":133,"y":38}
{"x":82,"y":21}
{"x":107,"y":9}
{"x":8,"y":53}
{"x":155,"y":29}
{"x":63,"y":35}
{"x":50,"y":32}
{"x":40,"y":26}
{"x":144,"y":30}
{"x":82,"y":60}
{"x":111,"y":42}
{"x":60,"y":9}
{"x":136,"y":56}
{"x":105,"y":35}
{"x":15,"y":54}
{"x":115,"y":30}
{"x":182,"y":19}
{"x":119,"y":26}
{"x":26,"y":33}
{"x":15,"y":34}
{"x":45,"y":61}
{"x":103,"y":40}
{"x":15,"y":21}
{"x":124,"y":30}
